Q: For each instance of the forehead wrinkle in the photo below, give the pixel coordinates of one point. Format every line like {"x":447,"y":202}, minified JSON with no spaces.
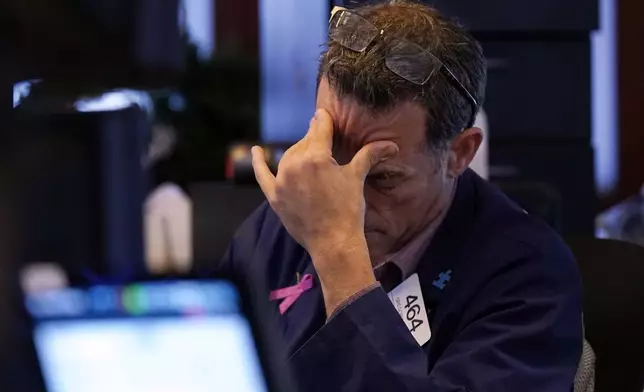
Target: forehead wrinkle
{"x":356,"y":125}
{"x":360,"y":130}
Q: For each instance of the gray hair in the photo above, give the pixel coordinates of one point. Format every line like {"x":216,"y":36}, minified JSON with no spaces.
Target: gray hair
{"x":365,"y":77}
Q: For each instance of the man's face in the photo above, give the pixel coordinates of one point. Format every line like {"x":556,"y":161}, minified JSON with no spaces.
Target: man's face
{"x":403,"y":193}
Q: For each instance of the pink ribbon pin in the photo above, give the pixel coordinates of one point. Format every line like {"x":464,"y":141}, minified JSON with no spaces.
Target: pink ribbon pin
{"x":292,"y":293}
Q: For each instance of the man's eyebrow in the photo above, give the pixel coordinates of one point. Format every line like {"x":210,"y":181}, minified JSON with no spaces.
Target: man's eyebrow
{"x":348,"y":141}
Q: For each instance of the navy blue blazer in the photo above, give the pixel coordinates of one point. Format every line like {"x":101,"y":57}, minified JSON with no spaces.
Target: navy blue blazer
{"x":509,"y":318}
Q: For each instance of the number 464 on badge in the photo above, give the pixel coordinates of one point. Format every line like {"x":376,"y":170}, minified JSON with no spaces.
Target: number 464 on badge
{"x":407,"y":298}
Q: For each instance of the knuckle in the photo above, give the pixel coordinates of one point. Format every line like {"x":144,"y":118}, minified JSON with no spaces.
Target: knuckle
{"x":316,"y":160}
{"x":309,"y":164}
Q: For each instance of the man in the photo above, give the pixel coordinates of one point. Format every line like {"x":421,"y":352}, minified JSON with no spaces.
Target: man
{"x":379,"y":192}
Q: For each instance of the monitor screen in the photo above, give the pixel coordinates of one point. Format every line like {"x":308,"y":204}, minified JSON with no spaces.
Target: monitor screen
{"x":161,"y":337}
{"x":291,"y":34}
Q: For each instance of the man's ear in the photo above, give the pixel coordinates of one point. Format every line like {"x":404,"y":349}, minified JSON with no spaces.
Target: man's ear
{"x":463,"y":148}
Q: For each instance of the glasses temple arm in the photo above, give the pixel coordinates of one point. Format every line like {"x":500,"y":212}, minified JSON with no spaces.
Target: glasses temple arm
{"x":465,"y":92}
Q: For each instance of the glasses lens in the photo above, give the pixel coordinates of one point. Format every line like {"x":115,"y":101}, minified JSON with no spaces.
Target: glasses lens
{"x":352,"y":30}
{"x":411,"y":62}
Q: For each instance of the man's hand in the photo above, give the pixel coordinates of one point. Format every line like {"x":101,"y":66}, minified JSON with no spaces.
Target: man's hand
{"x":322,"y":205}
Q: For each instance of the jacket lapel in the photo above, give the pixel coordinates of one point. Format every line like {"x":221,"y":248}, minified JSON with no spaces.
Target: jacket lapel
{"x":440,"y":263}
{"x":306,"y":315}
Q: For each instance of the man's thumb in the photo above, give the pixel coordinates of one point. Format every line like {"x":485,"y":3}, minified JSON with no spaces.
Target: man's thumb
{"x":371,"y":155}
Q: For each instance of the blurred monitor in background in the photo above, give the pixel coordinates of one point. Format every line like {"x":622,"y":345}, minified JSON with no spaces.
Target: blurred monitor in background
{"x":175,"y":335}
{"x":100,"y":43}
{"x":291,"y":35}
{"x":624,"y":221}
{"x":198,"y":17}
{"x":81,"y":186}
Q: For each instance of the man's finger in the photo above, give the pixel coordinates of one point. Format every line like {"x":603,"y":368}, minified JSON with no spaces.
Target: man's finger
{"x":320,"y":133}
{"x":265,"y":178}
{"x":303,"y":143}
{"x":371,"y":155}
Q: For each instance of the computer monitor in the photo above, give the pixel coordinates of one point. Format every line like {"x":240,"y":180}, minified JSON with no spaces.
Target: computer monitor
{"x":160,"y":336}
{"x":79,"y":200}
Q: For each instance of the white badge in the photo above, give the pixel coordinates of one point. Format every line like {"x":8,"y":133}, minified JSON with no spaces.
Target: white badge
{"x":407,"y":298}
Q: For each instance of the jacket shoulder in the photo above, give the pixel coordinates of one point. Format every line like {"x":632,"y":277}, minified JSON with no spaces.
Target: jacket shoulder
{"x":503,"y":237}
{"x":263,"y":248}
